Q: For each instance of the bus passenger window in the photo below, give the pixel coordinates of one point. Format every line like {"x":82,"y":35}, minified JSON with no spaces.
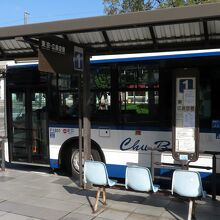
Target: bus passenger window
{"x":101,"y":101}
{"x":205,"y":101}
{"x":68,"y":105}
{"x":134,"y":101}
{"x":67,"y":96}
{"x":101,"y":78}
{"x":138,"y":92}
{"x":128,"y":76}
{"x":148,"y":77}
{"x":100,"y":89}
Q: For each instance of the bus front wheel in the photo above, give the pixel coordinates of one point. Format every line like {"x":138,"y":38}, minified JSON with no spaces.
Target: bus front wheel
{"x":74,"y":160}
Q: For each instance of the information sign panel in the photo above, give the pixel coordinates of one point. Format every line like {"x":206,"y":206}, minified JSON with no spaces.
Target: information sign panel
{"x":185,"y":115}
{"x":78,"y":58}
{"x":55,"y":56}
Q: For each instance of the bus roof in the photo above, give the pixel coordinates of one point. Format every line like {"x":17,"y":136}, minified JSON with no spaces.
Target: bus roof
{"x":154,"y":56}
{"x":135,"y":57}
{"x":22,"y":66}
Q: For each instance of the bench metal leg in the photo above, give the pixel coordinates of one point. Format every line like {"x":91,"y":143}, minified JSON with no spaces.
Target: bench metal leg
{"x":97,"y":199}
{"x":194,"y":210}
{"x":104,"y":196}
{"x":190,"y":209}
{"x":100,"y":189}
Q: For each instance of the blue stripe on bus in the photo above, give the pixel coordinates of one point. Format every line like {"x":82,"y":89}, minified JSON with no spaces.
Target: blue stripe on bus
{"x":113,"y":127}
{"x":116,"y":171}
{"x":54,"y":163}
{"x":15,"y":66}
{"x":53,"y":125}
{"x":160,"y":57}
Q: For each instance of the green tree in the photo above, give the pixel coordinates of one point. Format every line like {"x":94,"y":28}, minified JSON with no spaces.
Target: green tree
{"x":112,"y":7}
{"x":178,"y":3}
{"x":136,"y":5}
{"x":125,"y":6}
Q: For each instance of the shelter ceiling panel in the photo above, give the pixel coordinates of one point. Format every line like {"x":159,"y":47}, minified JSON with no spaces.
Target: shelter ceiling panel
{"x":214,"y":29}
{"x":130,"y":34}
{"x":214,"y":37}
{"x":179,"y":31}
{"x":13,"y":44}
{"x":182,"y":40}
{"x":28,"y":51}
{"x":86,"y":38}
{"x":125,"y":44}
{"x":10,"y":47}
{"x":99,"y":45}
{"x":60,"y":36}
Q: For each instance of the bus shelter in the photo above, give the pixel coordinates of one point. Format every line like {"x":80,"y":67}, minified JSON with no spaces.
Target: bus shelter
{"x":67,"y":45}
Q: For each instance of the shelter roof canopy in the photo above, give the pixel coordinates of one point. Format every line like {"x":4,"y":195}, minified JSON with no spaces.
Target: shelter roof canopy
{"x":194,"y":27}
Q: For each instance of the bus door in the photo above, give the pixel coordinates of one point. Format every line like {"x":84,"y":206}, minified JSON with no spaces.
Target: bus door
{"x":28,"y":135}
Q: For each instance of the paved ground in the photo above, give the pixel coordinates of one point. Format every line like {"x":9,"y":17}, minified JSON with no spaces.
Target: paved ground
{"x":27,"y":194}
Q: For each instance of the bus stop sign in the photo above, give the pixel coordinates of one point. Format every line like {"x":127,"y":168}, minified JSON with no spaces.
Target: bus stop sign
{"x":185,"y":115}
{"x":78,"y":58}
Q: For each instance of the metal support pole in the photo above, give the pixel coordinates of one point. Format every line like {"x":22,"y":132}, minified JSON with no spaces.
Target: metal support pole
{"x":214,"y":177}
{"x":86,"y":111}
{"x":190,"y":209}
{"x":80,"y":133}
{"x":152,"y":164}
{"x":3,"y":135}
{"x":3,"y":155}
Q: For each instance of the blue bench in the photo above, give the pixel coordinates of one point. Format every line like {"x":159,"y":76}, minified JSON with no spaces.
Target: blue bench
{"x":185,"y":183}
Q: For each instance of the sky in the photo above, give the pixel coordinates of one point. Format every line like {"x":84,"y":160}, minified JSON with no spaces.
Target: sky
{"x":12,"y":11}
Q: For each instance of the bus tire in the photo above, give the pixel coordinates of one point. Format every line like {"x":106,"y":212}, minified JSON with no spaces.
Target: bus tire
{"x":74,"y":160}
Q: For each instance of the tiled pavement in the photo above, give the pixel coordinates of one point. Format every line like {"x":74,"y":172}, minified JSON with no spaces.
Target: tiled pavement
{"x":28,"y":194}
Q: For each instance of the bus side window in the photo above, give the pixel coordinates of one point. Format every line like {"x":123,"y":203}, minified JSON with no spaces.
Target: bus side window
{"x":205,"y":101}
{"x":100,"y":90}
{"x":68,"y":105}
{"x":138,"y":92}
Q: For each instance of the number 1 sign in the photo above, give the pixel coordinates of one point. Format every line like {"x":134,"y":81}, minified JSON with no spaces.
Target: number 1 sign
{"x":78,"y":58}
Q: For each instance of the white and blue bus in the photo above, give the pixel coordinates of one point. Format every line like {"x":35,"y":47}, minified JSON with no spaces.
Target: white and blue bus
{"x":131,"y":111}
